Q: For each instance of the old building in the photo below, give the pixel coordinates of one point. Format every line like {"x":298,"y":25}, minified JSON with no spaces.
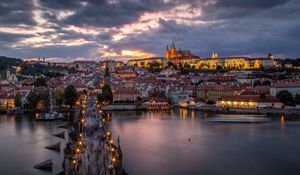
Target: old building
{"x":185,"y":57}
{"x":249,"y":101}
{"x":290,"y":85}
{"x":212,"y":92}
{"x":125,"y":94}
{"x":6,"y":101}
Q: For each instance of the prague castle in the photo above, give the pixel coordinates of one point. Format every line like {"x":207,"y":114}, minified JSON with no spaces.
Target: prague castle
{"x":173,"y":53}
{"x":185,"y":57}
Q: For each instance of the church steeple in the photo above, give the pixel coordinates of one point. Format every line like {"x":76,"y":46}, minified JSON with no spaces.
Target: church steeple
{"x":167,"y":52}
{"x":173,"y":45}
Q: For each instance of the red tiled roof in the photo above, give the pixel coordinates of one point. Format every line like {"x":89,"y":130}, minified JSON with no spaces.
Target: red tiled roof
{"x":284,"y":84}
{"x":120,"y":90}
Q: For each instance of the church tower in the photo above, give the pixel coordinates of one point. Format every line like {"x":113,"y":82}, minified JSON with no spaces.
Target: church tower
{"x":167,"y":52}
{"x":173,"y":51}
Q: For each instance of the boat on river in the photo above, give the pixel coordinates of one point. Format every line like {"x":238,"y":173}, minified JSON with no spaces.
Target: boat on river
{"x":50,"y":116}
{"x":239,"y":119}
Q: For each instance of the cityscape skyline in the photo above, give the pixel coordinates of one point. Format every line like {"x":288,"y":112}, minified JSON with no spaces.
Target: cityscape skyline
{"x":121,"y":30}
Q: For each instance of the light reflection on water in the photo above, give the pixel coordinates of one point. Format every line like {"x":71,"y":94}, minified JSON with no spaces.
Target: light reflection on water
{"x":158,"y":143}
{"x":22,"y":142}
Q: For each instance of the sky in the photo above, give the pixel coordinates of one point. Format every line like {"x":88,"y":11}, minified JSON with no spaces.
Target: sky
{"x":68,"y":30}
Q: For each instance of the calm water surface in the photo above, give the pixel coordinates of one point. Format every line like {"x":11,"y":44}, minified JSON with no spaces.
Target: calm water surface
{"x":157,"y":143}
{"x":22,"y":145}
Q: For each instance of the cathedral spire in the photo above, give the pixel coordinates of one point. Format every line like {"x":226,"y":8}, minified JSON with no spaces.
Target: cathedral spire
{"x":173,"y":45}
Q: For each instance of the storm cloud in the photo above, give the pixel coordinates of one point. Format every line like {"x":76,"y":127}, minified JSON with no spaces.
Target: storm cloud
{"x":99,"y":29}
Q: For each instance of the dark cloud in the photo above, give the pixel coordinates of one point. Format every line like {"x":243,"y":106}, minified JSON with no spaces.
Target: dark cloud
{"x":10,"y":38}
{"x":16,"y":12}
{"x":223,"y":9}
{"x":67,"y":52}
{"x":233,"y":27}
{"x":61,"y":4}
{"x":105,"y":14}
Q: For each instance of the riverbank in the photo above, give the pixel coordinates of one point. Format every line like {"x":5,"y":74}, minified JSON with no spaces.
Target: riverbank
{"x":123,"y":107}
{"x":23,"y":111}
{"x":286,"y":112}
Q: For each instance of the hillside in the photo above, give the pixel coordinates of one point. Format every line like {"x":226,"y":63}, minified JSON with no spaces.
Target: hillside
{"x":6,"y":62}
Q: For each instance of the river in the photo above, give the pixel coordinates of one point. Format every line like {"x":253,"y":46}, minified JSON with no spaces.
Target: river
{"x":157,"y":143}
{"x":22,"y":145}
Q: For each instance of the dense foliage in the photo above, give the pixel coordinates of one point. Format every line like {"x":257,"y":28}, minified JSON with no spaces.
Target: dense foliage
{"x":285,"y":97}
{"x":70,"y":95}
{"x":6,"y":62}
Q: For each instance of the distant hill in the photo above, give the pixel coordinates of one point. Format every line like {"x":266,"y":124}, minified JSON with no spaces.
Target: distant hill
{"x":6,"y":62}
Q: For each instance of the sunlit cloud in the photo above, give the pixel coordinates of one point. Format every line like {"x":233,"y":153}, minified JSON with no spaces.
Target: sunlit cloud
{"x":127,"y":54}
{"x":84,"y":30}
{"x":182,"y":14}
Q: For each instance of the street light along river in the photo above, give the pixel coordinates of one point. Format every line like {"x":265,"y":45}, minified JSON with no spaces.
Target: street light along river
{"x":92,"y":150}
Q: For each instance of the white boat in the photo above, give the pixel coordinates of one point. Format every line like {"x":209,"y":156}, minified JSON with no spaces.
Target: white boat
{"x":241,"y":119}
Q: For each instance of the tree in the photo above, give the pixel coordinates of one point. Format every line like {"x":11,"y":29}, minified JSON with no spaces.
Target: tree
{"x":143,"y":64}
{"x":70,"y":95}
{"x":40,"y":82}
{"x":266,"y":83}
{"x":262,"y":96}
{"x":210,"y":102}
{"x":32,"y":99}
{"x":100,"y":97}
{"x":171,"y":65}
{"x":219,"y":67}
{"x":297,"y":99}
{"x":187,"y":66}
{"x":59,"y":94}
{"x":107,"y":93}
{"x":285,"y":97}
{"x":18,"y":100}
{"x":256,"y":83}
{"x":43,"y":98}
{"x":154,"y":64}
{"x":139,"y":100}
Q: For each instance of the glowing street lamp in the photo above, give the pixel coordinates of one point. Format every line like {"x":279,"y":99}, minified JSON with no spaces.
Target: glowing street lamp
{"x":114,"y":160}
{"x":108,"y":133}
{"x":74,"y":161}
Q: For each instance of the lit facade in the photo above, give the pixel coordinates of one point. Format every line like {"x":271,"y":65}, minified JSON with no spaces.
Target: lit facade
{"x":249,"y":102}
{"x":7,"y":102}
{"x":185,"y":57}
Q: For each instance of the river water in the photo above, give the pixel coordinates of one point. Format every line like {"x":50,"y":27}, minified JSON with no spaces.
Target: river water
{"x":157,"y":143}
{"x":22,"y":142}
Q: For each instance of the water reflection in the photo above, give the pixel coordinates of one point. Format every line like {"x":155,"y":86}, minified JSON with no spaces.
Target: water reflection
{"x":22,"y":144}
{"x":158,"y":143}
